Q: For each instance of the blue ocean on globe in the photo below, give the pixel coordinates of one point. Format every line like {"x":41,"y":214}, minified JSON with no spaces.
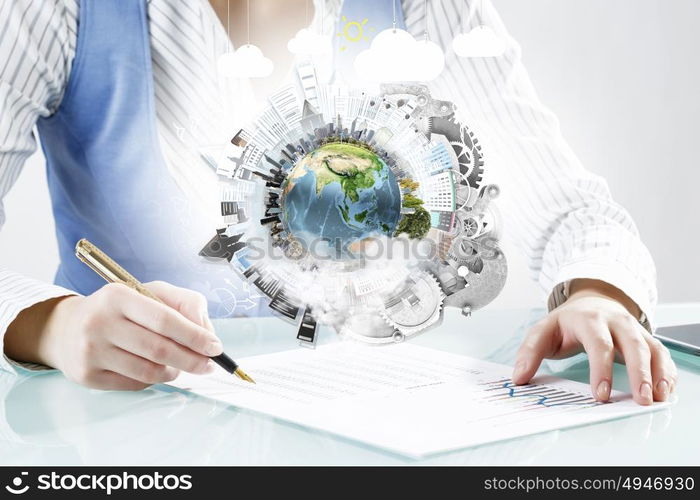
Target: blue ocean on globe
{"x":339,"y":195}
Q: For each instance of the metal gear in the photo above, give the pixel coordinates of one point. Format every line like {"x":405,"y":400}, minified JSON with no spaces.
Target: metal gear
{"x":461,"y":251}
{"x":471,"y":226}
{"x":466,"y":147}
{"x":417,"y":306}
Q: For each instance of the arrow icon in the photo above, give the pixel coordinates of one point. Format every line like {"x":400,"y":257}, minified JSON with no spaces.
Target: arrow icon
{"x":249,"y":303}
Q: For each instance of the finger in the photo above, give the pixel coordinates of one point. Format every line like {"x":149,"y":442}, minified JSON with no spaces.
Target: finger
{"x":111,"y":381}
{"x":663,"y":369}
{"x":595,"y":337}
{"x":137,"y":368}
{"x":637,"y":356}
{"x":166,"y":321}
{"x":536,"y":346}
{"x":192,"y":305}
{"x":144,"y":343}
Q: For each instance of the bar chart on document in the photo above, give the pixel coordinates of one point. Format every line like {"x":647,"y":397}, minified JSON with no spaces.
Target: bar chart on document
{"x":516,"y":404}
{"x":405,"y":398}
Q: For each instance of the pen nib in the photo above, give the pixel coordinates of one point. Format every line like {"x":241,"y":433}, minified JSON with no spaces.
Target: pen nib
{"x":243,"y":375}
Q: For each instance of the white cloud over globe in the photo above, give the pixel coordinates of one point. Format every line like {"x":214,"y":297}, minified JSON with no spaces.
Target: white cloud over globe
{"x":247,"y":61}
{"x":394,"y":55}
{"x":306,"y":42}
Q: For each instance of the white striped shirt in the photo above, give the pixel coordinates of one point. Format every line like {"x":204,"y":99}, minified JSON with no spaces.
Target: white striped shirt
{"x":561,"y":216}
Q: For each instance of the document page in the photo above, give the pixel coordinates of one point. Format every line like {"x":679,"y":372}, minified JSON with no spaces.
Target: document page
{"x":405,"y":398}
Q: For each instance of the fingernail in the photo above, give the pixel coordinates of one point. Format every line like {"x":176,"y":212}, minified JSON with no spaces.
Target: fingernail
{"x":215,"y":348}
{"x":519,"y":369}
{"x":211,"y":366}
{"x":603,"y":391}
{"x":663,"y":389}
{"x":645,"y":392}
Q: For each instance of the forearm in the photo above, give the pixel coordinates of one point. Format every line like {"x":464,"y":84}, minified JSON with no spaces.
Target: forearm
{"x":599,"y":250}
{"x":29,"y":336}
{"x":18,"y":297}
{"x":603,"y":289}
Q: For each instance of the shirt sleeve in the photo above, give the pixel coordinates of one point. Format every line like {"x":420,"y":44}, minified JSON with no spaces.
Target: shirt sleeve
{"x":37,"y":47}
{"x":560,"y":215}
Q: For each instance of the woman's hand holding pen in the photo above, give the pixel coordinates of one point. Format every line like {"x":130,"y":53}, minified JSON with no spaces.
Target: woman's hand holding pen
{"x":600,"y":319}
{"x":117,"y":338}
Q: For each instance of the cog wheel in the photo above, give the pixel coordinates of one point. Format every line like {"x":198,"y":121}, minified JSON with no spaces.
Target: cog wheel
{"x":424,"y":124}
{"x":463,"y":252}
{"x":466,"y":147}
{"x":414,"y":307}
{"x":464,"y":157}
{"x":470,"y":226}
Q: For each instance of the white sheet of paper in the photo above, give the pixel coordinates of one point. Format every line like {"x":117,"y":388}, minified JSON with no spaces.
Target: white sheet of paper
{"x":405,"y":398}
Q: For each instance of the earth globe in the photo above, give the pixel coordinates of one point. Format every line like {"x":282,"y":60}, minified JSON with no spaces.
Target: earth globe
{"x":339,"y":196}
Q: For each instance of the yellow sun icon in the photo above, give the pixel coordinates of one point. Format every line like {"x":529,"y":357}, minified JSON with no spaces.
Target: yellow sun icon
{"x":354,"y":31}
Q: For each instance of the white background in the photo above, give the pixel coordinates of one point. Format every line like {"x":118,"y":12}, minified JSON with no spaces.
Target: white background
{"x":623,"y":77}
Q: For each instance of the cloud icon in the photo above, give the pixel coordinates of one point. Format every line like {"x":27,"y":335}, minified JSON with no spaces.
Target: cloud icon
{"x":481,"y":41}
{"x":308,"y":42}
{"x":247,"y":61}
{"x":394,"y":55}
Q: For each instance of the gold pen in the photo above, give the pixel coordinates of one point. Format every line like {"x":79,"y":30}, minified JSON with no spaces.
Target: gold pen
{"x":112,"y":272}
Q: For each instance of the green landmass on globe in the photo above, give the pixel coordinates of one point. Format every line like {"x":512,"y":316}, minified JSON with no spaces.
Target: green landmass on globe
{"x":350,"y":165}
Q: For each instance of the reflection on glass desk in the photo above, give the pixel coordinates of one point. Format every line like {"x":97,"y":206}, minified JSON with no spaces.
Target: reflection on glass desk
{"x":47,"y":420}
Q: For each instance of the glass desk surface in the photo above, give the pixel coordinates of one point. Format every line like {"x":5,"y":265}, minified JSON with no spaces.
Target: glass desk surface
{"x":47,"y":420}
